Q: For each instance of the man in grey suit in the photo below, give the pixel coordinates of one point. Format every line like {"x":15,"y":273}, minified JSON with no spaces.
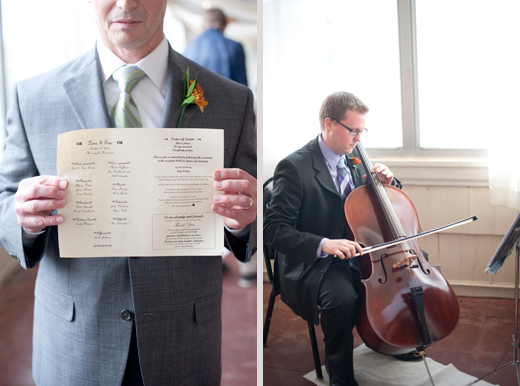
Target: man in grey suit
{"x":130,"y":321}
{"x":305,"y":223}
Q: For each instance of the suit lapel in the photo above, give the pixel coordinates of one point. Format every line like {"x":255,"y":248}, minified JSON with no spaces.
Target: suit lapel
{"x":322,"y":171}
{"x":177,"y":66}
{"x":357,"y":175}
{"x":85,"y":93}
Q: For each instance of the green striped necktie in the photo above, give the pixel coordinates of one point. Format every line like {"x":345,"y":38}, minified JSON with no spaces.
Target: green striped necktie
{"x":125,"y":112}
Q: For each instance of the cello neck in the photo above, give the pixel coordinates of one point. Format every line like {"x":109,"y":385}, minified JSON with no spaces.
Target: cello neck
{"x":386,"y":206}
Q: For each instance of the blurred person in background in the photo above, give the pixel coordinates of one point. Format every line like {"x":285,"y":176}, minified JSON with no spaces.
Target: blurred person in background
{"x":216,"y":52}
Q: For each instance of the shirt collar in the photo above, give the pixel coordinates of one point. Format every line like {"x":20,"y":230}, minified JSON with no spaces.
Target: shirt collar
{"x":330,"y":155}
{"x":155,"y":64}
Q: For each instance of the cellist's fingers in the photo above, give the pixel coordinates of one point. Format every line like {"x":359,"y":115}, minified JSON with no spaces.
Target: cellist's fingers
{"x":384,"y":174}
{"x":342,"y":248}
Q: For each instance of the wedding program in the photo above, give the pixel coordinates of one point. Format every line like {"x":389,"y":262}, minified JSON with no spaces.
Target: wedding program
{"x":140,"y":192}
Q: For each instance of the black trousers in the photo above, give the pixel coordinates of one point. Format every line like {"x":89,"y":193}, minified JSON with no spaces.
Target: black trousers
{"x":338,"y":301}
{"x":133,"y":375}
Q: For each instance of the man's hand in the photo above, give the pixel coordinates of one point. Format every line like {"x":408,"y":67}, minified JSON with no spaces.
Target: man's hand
{"x":36,"y":199}
{"x":342,"y":248}
{"x":383,"y":173}
{"x":238,"y":203}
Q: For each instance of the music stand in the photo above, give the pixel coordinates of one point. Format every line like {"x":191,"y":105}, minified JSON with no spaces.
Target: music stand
{"x":510,"y":241}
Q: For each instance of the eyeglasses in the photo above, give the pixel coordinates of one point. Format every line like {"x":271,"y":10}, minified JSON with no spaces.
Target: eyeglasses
{"x":351,"y":132}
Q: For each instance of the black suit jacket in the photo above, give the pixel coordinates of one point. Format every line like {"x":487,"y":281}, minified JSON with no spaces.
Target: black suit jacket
{"x":305,"y":208}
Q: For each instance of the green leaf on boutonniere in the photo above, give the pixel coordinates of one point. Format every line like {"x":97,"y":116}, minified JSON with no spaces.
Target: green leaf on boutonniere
{"x":193,"y":95}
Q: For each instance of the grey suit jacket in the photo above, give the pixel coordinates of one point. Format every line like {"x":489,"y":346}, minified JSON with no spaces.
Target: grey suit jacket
{"x":80,"y":336}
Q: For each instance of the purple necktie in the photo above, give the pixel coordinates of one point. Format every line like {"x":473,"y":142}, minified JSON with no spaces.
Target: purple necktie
{"x":343,"y":178}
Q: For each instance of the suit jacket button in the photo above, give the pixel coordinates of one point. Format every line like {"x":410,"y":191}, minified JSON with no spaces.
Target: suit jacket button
{"x":321,"y":272}
{"x":127,"y":315}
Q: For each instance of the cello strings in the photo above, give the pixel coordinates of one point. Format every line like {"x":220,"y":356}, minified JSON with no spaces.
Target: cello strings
{"x":393,"y":221}
{"x":395,"y":225}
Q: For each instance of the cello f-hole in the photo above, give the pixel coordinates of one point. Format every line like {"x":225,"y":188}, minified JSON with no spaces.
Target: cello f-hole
{"x":427,"y":271}
{"x":383,"y":256}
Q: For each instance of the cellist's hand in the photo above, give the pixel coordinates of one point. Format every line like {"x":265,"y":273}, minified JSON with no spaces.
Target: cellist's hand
{"x":384,"y":174}
{"x":342,"y":248}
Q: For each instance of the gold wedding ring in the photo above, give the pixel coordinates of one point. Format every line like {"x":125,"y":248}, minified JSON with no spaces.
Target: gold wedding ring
{"x":250,"y":204}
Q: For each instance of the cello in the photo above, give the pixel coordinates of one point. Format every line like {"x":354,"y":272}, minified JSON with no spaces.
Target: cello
{"x":406,"y":304}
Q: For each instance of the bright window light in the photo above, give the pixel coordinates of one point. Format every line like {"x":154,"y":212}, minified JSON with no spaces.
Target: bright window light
{"x":468,"y":71}
{"x":312,"y":49}
{"x":66,"y":31}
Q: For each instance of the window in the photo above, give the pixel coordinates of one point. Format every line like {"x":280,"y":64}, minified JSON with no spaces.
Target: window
{"x":439,"y":77}
{"x":311,"y":50}
{"x":468,"y":73}
{"x":27,"y":51}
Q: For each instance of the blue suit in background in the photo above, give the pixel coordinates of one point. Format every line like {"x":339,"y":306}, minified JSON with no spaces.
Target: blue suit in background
{"x":219,"y":54}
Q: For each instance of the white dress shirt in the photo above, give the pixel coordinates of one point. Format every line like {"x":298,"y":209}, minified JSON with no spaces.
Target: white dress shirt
{"x":149,"y":93}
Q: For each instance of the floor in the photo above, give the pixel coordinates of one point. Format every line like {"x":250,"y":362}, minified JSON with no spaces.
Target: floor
{"x":481,"y":338}
{"x":238,"y":335}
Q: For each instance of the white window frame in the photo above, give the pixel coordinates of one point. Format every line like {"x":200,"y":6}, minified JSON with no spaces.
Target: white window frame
{"x":413,"y":163}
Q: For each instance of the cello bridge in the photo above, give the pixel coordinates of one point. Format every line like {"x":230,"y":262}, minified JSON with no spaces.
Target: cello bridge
{"x":408,"y":260}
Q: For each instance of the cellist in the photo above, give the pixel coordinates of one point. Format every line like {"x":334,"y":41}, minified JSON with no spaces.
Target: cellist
{"x":305,"y":223}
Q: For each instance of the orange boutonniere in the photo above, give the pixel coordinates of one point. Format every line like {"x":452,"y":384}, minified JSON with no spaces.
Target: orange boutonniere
{"x":355,"y":163}
{"x":193,"y":95}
